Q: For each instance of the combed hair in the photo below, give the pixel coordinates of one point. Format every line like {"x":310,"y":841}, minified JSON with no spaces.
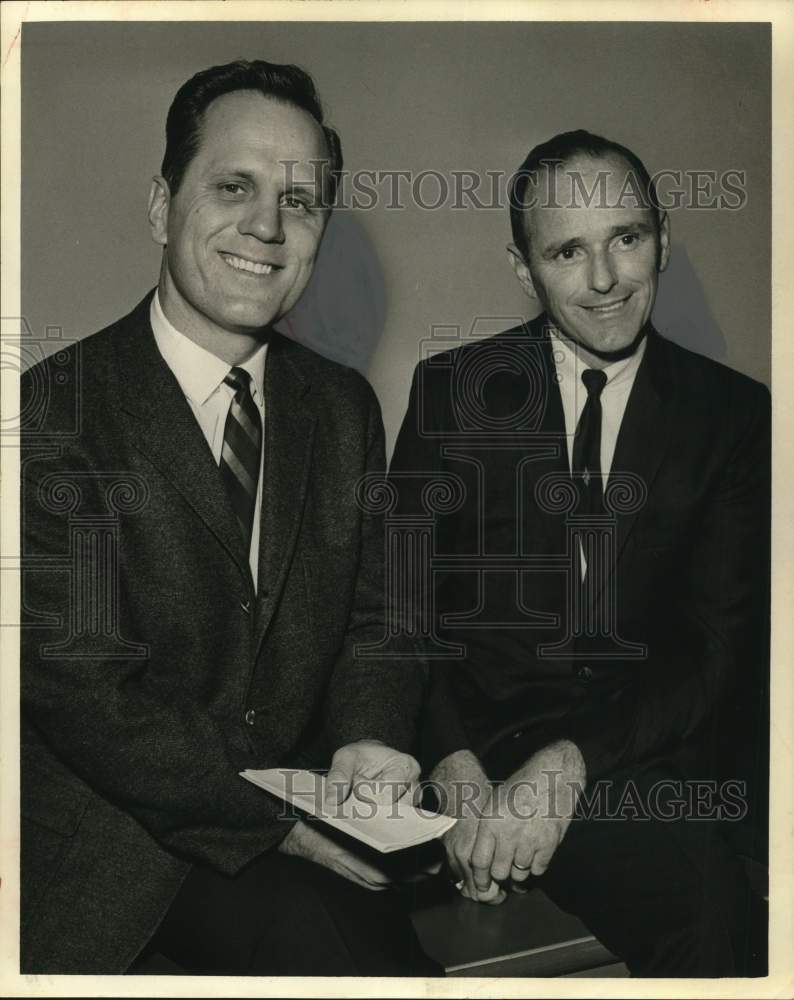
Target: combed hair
{"x":559,"y":150}
{"x":289,"y":84}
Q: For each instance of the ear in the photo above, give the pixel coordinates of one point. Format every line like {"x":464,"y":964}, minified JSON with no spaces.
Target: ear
{"x":664,"y":241}
{"x":521,"y":269}
{"x":159,"y":200}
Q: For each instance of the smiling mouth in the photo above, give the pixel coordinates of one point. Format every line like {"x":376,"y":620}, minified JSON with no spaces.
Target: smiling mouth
{"x":608,"y":308}
{"x":250,"y":266}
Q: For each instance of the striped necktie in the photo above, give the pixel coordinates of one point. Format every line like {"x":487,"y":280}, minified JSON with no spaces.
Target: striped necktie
{"x":242,"y":449}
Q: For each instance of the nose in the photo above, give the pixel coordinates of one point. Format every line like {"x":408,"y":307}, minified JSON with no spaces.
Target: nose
{"x":263,"y":221}
{"x":602,"y":275}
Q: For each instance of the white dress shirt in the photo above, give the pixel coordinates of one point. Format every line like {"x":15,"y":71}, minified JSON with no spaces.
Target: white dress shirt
{"x":201,"y":377}
{"x":614,"y":397}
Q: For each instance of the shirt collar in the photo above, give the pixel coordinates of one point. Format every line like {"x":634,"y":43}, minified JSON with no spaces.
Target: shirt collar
{"x":198,"y":371}
{"x":570,"y":366}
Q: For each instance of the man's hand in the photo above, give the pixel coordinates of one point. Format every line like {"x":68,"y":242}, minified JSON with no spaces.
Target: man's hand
{"x":387,"y":773}
{"x":464,"y":792}
{"x":306,"y":841}
{"x":531,"y":813}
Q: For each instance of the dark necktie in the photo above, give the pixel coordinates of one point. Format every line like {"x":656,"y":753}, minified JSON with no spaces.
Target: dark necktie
{"x":587,"y":445}
{"x":242,"y":449}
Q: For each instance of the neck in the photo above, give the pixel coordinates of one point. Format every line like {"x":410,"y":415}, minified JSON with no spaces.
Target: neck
{"x":232,"y":347}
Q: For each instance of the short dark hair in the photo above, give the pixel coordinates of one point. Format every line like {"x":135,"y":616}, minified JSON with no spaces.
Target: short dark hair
{"x":560,"y":149}
{"x":289,"y":84}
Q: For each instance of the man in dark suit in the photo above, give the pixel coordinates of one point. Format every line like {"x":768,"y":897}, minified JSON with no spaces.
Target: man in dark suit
{"x":201,"y":587}
{"x":600,"y":570}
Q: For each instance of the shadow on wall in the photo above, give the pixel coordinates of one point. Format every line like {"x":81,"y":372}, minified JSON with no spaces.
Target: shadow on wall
{"x":342,"y":313}
{"x":682,"y":314}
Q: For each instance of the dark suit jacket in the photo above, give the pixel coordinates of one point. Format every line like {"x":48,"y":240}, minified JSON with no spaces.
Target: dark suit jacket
{"x":688,"y":574}
{"x":146,"y":691}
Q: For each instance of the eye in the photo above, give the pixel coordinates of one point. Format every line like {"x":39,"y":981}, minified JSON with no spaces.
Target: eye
{"x":231,"y":188}
{"x":291,"y":201}
{"x":628,"y":240}
{"x":567,"y":253}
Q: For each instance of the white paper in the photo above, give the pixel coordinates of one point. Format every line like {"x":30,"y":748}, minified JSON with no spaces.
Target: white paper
{"x":386,"y":826}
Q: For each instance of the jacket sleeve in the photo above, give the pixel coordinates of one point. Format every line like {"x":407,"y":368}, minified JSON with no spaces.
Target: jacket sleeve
{"x":415,"y":461}
{"x":722,"y":609}
{"x":379,"y":677}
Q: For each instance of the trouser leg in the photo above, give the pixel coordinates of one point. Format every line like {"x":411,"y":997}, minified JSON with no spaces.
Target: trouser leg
{"x":667,"y":897}
{"x":286,"y":916}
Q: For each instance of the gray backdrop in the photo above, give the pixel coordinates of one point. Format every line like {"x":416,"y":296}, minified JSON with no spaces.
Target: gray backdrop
{"x":422,"y":96}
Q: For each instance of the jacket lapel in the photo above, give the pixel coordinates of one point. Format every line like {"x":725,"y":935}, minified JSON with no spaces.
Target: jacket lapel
{"x":546,"y":526}
{"x":644,"y":435}
{"x":162,"y":426}
{"x":289,"y":437}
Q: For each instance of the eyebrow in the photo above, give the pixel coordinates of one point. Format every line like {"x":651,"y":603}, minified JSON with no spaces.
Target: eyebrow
{"x":224,"y":171}
{"x":315,"y":192}
{"x":308,"y":189}
{"x":305,"y":187}
{"x":640,"y":228}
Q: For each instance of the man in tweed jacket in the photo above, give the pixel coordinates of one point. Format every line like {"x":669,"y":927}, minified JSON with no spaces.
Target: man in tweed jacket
{"x":165,"y":649}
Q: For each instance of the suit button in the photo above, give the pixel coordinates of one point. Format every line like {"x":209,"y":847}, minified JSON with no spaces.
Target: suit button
{"x":250,"y":717}
{"x":584,"y":674}
{"x":245,"y":607}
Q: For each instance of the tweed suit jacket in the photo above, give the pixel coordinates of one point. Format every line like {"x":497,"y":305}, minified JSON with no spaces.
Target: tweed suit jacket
{"x":152,"y":673}
{"x":679,"y":674}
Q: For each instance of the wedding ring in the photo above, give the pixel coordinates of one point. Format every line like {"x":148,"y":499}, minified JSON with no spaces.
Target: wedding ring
{"x":521,"y":868}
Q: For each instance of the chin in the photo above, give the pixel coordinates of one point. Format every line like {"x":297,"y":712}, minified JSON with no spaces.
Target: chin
{"x":619,"y":343}
{"x":598,"y":343}
{"x":618,"y":349}
{"x":250,"y":321}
